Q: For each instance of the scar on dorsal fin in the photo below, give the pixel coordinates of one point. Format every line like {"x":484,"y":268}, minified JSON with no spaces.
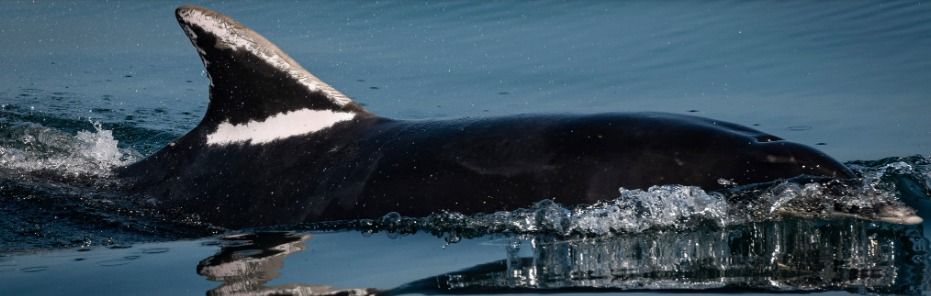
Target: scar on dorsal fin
{"x":251,"y":79}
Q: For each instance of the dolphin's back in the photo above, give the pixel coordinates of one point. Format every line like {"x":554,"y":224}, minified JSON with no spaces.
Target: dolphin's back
{"x":493,"y":164}
{"x":279,"y":146}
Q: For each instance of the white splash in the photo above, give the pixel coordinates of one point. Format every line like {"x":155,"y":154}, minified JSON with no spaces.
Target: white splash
{"x":232,"y":35}
{"x":659,"y":207}
{"x":35,"y":148}
{"x":678,"y":207}
{"x":279,"y":126}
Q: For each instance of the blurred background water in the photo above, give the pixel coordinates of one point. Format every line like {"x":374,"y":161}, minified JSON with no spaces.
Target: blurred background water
{"x":849,"y":77}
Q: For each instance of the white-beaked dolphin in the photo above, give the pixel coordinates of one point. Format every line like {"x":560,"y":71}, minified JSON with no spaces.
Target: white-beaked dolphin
{"x":279,"y":146}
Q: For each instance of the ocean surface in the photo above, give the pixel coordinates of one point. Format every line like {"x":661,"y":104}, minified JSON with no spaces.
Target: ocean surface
{"x":86,"y":87}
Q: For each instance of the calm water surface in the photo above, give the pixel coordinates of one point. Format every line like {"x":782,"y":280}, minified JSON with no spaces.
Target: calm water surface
{"x":848,"y":77}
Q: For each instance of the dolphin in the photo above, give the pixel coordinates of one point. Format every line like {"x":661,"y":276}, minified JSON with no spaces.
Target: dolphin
{"x":277,"y":146}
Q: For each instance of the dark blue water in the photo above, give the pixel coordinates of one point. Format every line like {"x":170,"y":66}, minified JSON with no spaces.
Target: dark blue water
{"x":850,"y":78}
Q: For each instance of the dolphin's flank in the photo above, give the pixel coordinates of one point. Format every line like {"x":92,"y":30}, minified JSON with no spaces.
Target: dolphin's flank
{"x":279,"y":146}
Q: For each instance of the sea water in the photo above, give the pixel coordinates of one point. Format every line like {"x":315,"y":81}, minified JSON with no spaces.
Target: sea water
{"x":87,"y":87}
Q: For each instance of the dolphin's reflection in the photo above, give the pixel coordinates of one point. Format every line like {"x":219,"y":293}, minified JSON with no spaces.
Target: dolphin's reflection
{"x":790,"y":255}
{"x":246,"y":262}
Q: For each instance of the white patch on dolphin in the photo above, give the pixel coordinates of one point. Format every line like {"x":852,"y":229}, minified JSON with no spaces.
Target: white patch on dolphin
{"x":229,"y":34}
{"x":276,"y":127}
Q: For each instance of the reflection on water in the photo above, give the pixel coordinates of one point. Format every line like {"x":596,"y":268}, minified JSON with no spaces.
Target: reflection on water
{"x":245,"y":263}
{"x":791,"y":255}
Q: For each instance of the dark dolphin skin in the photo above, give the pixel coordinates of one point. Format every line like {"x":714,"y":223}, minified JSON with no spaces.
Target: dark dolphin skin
{"x":279,"y":146}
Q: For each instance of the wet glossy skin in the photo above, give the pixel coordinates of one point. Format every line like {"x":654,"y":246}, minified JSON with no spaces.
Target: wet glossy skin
{"x":371,"y":166}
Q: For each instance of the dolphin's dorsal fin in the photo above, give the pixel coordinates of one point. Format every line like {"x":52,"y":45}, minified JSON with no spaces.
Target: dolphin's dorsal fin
{"x":253,"y":82}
